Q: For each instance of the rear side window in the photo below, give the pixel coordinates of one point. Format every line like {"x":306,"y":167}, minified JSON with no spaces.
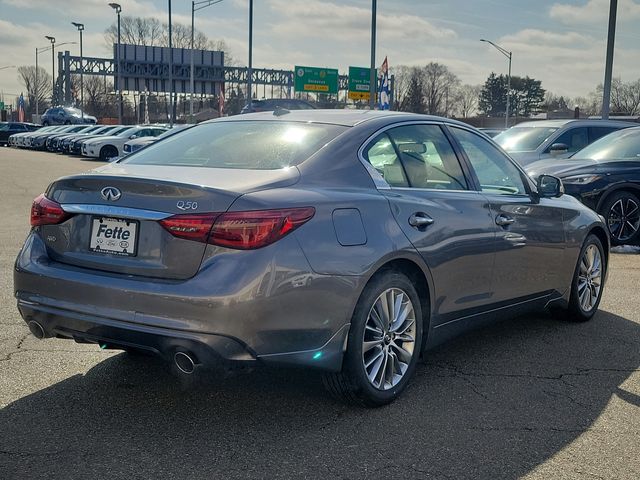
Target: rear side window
{"x":254,"y":145}
{"x":418,"y":156}
{"x":598,"y":132}
{"x":574,"y":139}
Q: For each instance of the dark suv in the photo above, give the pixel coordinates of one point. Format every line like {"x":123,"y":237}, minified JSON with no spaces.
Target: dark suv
{"x":65,"y":116}
{"x":271,"y":104}
{"x":9,"y":128}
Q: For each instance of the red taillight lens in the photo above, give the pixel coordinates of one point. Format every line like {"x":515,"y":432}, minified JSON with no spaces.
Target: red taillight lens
{"x":256,"y":229}
{"x":190,"y":227}
{"x":46,"y":212}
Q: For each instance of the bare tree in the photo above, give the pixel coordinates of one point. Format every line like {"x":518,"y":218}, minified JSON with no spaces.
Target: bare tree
{"x":401,"y":80}
{"x":466,"y":100}
{"x":439,"y":84}
{"x":40,"y":89}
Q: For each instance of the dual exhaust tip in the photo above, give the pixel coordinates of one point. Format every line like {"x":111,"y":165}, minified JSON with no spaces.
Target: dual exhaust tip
{"x":183,"y":360}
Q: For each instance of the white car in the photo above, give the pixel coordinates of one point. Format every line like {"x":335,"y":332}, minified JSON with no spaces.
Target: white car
{"x":107,"y":147}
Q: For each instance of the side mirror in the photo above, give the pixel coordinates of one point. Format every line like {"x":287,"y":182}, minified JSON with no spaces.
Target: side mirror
{"x":558,"y":149}
{"x":550,"y":186}
{"x":133,"y":136}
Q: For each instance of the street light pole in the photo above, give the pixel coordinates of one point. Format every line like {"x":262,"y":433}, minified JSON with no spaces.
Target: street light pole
{"x":37,"y":85}
{"x":118,"y":9}
{"x":372,"y":72}
{"x":170,"y":71}
{"x":608,"y":70}
{"x":250,"y":67}
{"x":195,"y":6}
{"x":509,"y":55}
{"x":53,"y":65}
{"x":80,"y":28}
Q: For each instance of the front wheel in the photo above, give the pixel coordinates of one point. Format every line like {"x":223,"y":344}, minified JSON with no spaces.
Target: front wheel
{"x":107,"y":153}
{"x":622,"y":212}
{"x":384,"y":343}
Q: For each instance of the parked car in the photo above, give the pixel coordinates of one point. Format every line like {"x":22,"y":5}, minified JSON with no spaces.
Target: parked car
{"x":531,"y":141}
{"x":75,"y":147}
{"x":51,"y":143}
{"x":65,"y":116}
{"x":141,"y":142}
{"x":271,"y":104}
{"x":347,"y":241}
{"x":110,"y":146}
{"x":10,"y":128}
{"x":492,"y":132}
{"x":65,"y":142}
{"x":605,"y":176}
{"x":38,"y":138}
{"x":18,"y":139}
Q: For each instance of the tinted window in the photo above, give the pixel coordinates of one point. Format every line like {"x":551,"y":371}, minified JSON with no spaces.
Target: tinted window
{"x":574,"y":138}
{"x":495,"y":172}
{"x":598,"y":132}
{"x":427,"y":157}
{"x":262,"y":145}
{"x":4,"y":127}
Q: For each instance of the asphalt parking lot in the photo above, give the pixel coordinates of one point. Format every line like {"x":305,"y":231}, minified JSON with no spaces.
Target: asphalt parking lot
{"x":529,"y":398}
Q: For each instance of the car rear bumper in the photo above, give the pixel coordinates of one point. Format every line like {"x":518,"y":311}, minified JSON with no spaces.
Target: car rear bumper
{"x":266,"y":312}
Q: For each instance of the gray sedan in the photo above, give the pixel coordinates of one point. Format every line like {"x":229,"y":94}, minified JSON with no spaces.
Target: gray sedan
{"x":346,"y":241}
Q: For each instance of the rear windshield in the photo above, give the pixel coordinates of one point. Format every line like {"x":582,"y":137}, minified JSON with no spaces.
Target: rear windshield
{"x":254,"y":145}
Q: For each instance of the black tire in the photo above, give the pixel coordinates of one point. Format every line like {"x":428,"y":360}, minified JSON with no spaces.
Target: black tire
{"x":45,"y":124}
{"x":67,"y":122}
{"x":621,"y":230}
{"x":352,"y":385}
{"x":575,"y":311}
{"x":108,"y":152}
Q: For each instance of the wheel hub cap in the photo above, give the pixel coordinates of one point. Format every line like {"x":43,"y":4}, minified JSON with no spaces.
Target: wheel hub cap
{"x":590,"y":278}
{"x":389,"y":339}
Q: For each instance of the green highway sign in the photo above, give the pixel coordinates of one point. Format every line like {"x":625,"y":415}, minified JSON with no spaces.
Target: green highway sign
{"x":313,"y":79}
{"x":359,"y":82}
{"x":1,"y":105}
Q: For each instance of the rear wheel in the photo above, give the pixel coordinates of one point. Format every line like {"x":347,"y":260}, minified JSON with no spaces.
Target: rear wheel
{"x":45,"y":123}
{"x":67,"y":122}
{"x":384,"y":343}
{"x":107,"y":153}
{"x":622,"y":211}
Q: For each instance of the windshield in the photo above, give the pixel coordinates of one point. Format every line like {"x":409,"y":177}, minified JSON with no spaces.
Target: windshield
{"x":620,"y":145}
{"x":523,"y":139}
{"x":73,"y":111}
{"x":263,"y":145}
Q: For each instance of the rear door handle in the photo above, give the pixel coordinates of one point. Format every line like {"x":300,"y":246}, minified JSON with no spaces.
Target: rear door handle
{"x":504,"y":220}
{"x":420,"y":219}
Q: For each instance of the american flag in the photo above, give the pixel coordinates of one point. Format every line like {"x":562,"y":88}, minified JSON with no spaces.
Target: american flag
{"x":21,"y":108}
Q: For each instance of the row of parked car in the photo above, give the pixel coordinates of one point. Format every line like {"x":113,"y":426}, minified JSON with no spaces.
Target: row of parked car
{"x":103,"y":142}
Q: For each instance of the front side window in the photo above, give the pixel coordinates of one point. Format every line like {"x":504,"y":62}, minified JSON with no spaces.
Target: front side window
{"x":418,"y":156}
{"x":495,"y":172}
{"x":575,"y":139}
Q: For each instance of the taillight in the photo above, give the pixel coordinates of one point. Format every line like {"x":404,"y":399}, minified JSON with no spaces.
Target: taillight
{"x":190,"y":227}
{"x":46,"y":212}
{"x":256,"y":229}
{"x":238,"y":230}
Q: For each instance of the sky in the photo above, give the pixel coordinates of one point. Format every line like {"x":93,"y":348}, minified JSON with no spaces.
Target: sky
{"x":562,"y":43}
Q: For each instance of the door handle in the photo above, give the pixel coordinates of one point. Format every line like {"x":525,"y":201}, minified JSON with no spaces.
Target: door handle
{"x":504,"y":220}
{"x":420,"y":219}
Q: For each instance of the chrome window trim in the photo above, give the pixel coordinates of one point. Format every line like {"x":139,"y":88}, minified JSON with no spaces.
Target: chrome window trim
{"x":111,"y":210}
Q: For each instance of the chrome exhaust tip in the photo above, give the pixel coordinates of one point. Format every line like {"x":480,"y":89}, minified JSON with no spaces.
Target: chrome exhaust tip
{"x":36,"y":330}
{"x":184,"y":362}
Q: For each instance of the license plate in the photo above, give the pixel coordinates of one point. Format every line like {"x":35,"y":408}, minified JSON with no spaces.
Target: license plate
{"x":116,"y":236}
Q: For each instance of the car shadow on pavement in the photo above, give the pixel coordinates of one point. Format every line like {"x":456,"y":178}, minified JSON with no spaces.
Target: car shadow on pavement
{"x":495,"y":403}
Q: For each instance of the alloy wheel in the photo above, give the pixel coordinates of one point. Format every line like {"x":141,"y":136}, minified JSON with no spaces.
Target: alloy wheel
{"x":590,"y":278}
{"x":624,"y":219}
{"x":389,"y":339}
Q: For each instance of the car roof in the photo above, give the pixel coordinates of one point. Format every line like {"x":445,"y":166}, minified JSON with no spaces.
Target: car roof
{"x":574,"y":121}
{"x":348,"y":118}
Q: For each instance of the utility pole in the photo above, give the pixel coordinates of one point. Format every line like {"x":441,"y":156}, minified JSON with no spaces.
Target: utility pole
{"x":372,"y":73}
{"x":250,"y":67}
{"x":53,"y":66}
{"x":80,"y":28}
{"x":608,"y":70}
{"x":118,"y":9}
{"x":509,"y":55}
{"x":170,"y":71}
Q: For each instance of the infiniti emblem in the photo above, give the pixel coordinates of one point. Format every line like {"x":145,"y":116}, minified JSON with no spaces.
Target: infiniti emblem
{"x":110,"y":193}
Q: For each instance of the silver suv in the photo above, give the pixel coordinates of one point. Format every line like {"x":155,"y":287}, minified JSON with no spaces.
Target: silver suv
{"x":531,"y":141}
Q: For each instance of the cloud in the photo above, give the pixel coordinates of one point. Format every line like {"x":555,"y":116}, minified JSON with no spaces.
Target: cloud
{"x":87,"y":8}
{"x":537,"y":38}
{"x":320,"y":19}
{"x":594,"y":12}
